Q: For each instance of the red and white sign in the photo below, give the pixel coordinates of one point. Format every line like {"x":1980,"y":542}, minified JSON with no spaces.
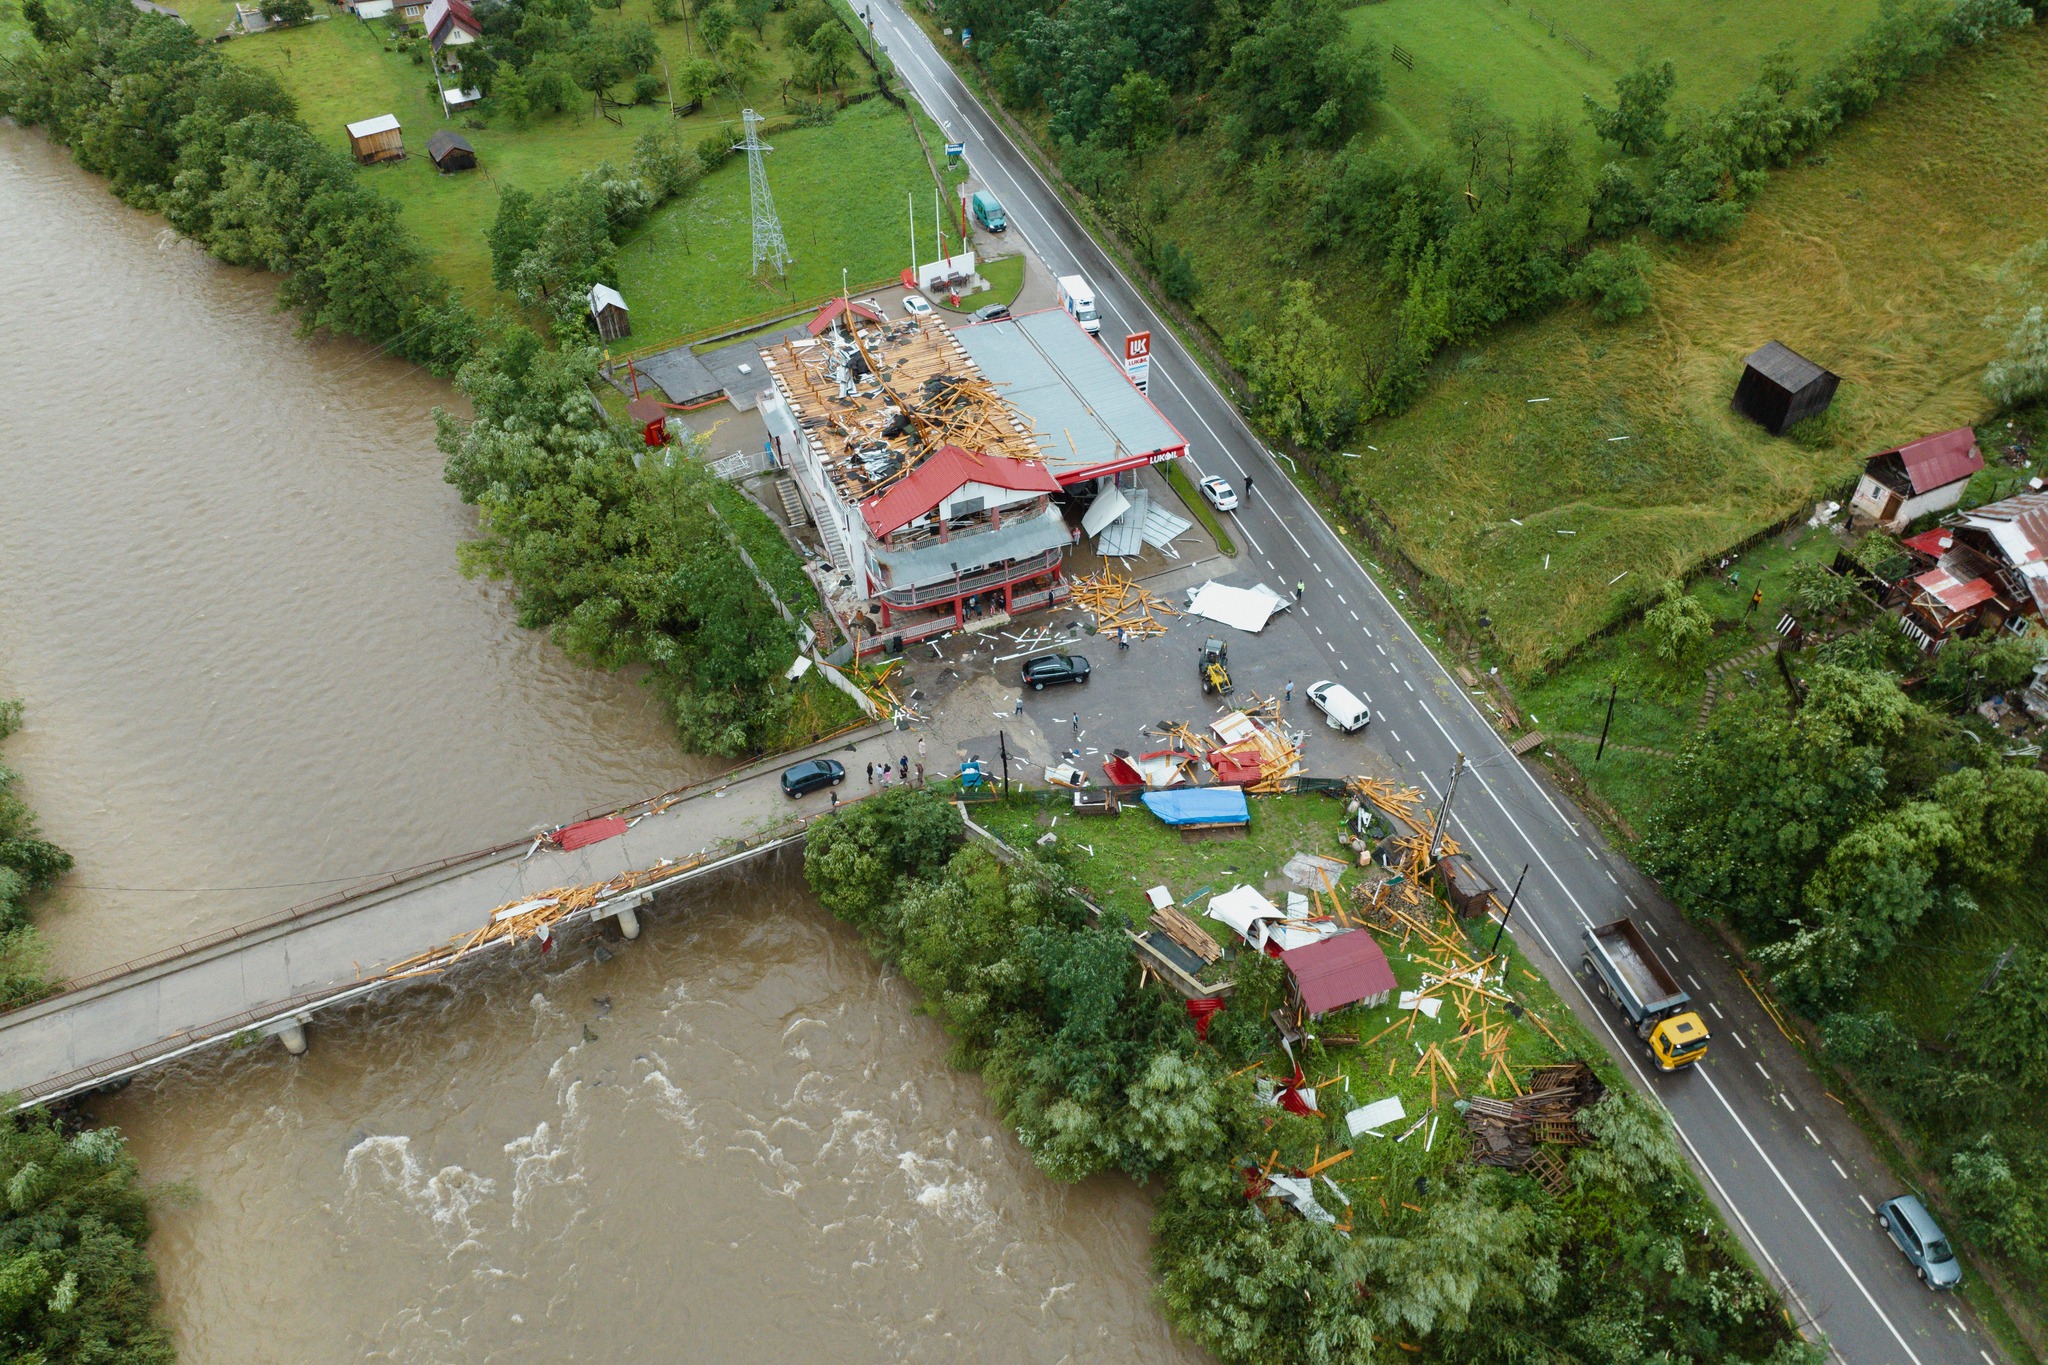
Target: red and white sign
{"x":1138,"y":358}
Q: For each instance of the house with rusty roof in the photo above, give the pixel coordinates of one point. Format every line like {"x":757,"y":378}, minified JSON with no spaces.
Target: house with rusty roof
{"x":1989,"y":571}
{"x":1928,"y":475}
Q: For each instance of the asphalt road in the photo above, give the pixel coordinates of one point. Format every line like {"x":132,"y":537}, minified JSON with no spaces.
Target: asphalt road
{"x":1795,"y":1176}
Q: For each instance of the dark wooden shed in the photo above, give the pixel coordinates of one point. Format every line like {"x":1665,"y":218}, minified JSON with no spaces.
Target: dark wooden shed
{"x":451,"y":151}
{"x":1780,"y":387}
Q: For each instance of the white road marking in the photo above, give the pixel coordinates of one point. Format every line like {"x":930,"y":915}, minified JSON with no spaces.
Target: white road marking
{"x":1953,"y":1318}
{"x":1341,"y":664}
{"x":1610,"y":876}
{"x":1354,"y":615}
{"x":1810,"y":1133}
{"x":1327,"y":645}
{"x":1674,"y":958}
{"x":1789,"y":1105}
{"x":1716,"y":1009}
{"x":1368,"y":632}
{"x":1652,"y":928}
{"x":1319,"y":630}
{"x":1695,"y":982}
{"x":1391,"y":664}
{"x":1736,"y":1036}
{"x":1760,"y":1067}
{"x":1866,"y":1206}
{"x":1411,"y":756}
{"x":1432,"y":786}
{"x":1409,"y":685}
{"x":1269,"y":564}
{"x":1340,"y":598}
{"x":1382,"y":649}
{"x":1631,"y":900}
{"x":1836,"y":1164}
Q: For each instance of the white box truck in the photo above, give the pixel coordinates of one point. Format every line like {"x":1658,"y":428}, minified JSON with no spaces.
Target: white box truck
{"x":1079,"y":300}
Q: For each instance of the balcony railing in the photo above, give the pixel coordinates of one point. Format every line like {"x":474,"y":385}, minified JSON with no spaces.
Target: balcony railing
{"x":993,"y":577}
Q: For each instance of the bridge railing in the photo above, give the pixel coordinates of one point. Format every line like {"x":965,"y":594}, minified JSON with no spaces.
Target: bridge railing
{"x":384,"y":881}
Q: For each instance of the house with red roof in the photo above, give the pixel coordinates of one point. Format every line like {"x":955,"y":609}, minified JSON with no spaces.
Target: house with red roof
{"x":1902,"y":485}
{"x":1339,"y":971}
{"x":451,"y":23}
{"x":1990,"y":571}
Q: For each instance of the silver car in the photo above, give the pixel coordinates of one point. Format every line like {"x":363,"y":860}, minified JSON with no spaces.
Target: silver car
{"x":1913,"y":1228}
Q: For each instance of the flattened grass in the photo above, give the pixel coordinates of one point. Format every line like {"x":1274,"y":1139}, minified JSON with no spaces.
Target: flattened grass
{"x":1880,"y":261}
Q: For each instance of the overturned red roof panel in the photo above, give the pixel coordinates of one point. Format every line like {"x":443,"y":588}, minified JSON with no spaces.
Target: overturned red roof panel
{"x":831,"y":311}
{"x":952,"y":468}
{"x":1943,"y":588}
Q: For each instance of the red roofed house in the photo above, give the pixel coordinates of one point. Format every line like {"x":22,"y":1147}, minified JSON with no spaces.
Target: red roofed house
{"x":1342,"y":970}
{"x":959,"y":526}
{"x":450,"y":23}
{"x":1901,"y":485}
{"x":1990,"y":571}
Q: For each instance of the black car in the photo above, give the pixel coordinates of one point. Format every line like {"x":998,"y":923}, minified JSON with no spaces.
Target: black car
{"x":995,"y":312}
{"x":810,"y":775}
{"x":1054,"y":668}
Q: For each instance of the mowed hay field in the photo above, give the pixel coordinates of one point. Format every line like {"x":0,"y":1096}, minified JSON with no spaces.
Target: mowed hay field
{"x":1521,"y":59}
{"x":840,"y":188}
{"x":1881,"y":260}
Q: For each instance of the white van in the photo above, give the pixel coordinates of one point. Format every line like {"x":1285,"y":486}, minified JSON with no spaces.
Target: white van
{"x":1079,"y":301}
{"x":1341,"y":709}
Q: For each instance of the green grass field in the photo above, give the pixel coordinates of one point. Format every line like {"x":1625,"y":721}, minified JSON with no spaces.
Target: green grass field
{"x":1515,"y":56}
{"x":839,"y":188}
{"x":1881,"y":261}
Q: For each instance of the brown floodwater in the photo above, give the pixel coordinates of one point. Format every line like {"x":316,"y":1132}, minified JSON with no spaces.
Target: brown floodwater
{"x":228,"y":594}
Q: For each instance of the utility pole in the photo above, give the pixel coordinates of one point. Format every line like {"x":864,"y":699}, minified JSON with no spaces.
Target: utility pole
{"x":1003,"y":748}
{"x":1612,"y":689}
{"x":1997,"y":969}
{"x":1509,"y":913}
{"x":1443,"y":814}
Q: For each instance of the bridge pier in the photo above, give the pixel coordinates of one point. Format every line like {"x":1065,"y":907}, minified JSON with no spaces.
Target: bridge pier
{"x":628,"y":917}
{"x":292,"y":1033}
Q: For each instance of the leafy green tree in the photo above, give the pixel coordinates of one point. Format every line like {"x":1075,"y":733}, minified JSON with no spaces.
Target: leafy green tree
{"x":1298,"y":72}
{"x":511,"y":235}
{"x":1176,"y":271}
{"x":803,"y":20}
{"x":667,"y":11}
{"x":1679,"y":624}
{"x":1618,"y":202}
{"x":2008,"y":1205}
{"x":1965,"y":672}
{"x":1140,"y":113}
{"x":2005,"y":1029}
{"x":1614,"y":281}
{"x":662,"y":163}
{"x":741,"y":63}
{"x":1636,"y":122}
{"x":75,"y":1283}
{"x":1818,"y":591}
{"x":715,"y":25}
{"x":828,"y":55}
{"x":754,"y":14}
{"x":1300,"y":394}
{"x":288,"y":11}
{"x":2020,"y":376}
{"x":855,"y":860}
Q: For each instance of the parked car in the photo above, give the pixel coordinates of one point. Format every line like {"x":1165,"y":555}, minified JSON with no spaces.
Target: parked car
{"x":995,"y":312}
{"x":1046,"y":669}
{"x":1917,"y":1234}
{"x":915,"y":306}
{"x":1218,"y":491}
{"x":812,"y":775}
{"x":988,"y":212}
{"x":1343,"y":710}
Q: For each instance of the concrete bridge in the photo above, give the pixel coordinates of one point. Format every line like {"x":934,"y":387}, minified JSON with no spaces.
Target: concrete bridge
{"x":267,"y":978}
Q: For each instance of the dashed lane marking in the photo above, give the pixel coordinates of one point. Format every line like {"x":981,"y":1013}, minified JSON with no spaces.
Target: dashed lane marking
{"x":1716,"y":1009}
{"x":1411,"y":757}
{"x":1652,"y":928}
{"x":1760,"y":1067}
{"x":1953,"y":1318}
{"x":1327,"y":645}
{"x":1695,"y":981}
{"x":1866,"y":1206}
{"x":1610,"y":876}
{"x":1788,"y":1103}
{"x":1382,"y":649}
{"x":1409,"y":685}
{"x":1837,"y":1165}
{"x":1737,"y":1037}
{"x":1810,"y":1133}
{"x":1631,"y":901}
{"x":1354,"y":615}
{"x":1341,"y":664}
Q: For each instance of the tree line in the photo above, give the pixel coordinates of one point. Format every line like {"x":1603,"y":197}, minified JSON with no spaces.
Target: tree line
{"x":1097,"y":1073}
{"x":1505,"y":222}
{"x":1872,"y":822}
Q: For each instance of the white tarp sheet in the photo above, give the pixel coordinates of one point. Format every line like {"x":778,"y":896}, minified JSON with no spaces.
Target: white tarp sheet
{"x":1258,"y":921}
{"x":1245,"y":608}
{"x":1107,"y":507}
{"x":1378,"y":1114}
{"x":1301,"y":1195}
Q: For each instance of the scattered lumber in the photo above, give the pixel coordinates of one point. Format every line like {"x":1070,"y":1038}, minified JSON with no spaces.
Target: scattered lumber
{"x":1512,"y":1133}
{"x":1188,"y":934}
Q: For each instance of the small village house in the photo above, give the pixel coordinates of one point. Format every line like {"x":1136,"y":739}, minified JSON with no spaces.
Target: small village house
{"x":450,"y":23}
{"x":608,"y":313}
{"x":1900,"y":486}
{"x":1989,"y":571}
{"x":451,"y":151}
{"x":1780,"y":387}
{"x":376,"y":139}
{"x":1337,"y":972}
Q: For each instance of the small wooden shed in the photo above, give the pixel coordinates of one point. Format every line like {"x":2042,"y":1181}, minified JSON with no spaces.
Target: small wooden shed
{"x":451,"y":151}
{"x":376,"y":139}
{"x":1780,"y":387}
{"x":608,"y":313}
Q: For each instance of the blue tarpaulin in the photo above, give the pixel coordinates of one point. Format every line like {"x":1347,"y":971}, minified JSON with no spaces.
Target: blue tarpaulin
{"x":1199,"y":806}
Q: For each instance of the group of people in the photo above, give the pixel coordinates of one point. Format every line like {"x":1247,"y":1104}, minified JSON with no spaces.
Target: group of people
{"x":899,"y":771}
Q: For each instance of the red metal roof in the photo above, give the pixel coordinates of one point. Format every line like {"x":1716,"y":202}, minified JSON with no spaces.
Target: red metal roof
{"x":1930,"y":543}
{"x":1956,"y":596}
{"x":587,"y":832}
{"x":831,"y":311}
{"x":1338,"y":971}
{"x":1942,"y":458}
{"x":928,"y":485}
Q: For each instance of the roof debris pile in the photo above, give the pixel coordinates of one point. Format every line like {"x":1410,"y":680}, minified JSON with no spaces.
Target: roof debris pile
{"x":1118,"y":603}
{"x":1513,"y":1133}
{"x":1251,"y":746}
{"x":877,"y":406}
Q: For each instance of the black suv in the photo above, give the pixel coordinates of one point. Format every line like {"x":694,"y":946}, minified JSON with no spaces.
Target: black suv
{"x":809,"y":776}
{"x":1054,"y":668}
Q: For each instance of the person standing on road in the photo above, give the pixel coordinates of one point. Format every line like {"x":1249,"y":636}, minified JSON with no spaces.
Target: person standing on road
{"x":871,"y":774}
{"x":1247,"y":485}
{"x":1290,"y":691}
{"x":920,"y":745}
{"x":1020,"y":707}
{"x":903,"y":767}
{"x":1123,"y":638}
{"x":920,"y":773}
{"x":1300,"y":587}
{"x":1077,"y":725}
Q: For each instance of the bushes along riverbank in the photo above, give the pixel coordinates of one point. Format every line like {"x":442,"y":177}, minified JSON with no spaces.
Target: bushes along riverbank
{"x":29,"y":865}
{"x":1433,"y":1259}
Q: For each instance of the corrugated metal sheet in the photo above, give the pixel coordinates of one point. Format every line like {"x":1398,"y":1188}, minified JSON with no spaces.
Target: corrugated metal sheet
{"x":1087,"y":413}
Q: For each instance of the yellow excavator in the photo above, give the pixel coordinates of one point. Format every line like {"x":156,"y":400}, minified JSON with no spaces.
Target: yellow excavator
{"x":1213,"y":668}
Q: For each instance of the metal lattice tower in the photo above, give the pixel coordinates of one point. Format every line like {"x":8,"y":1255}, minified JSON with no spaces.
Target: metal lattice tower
{"x":769,"y":245}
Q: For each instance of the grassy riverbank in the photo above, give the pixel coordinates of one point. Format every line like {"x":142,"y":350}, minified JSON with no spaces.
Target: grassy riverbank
{"x":29,"y":865}
{"x":1097,"y":1071}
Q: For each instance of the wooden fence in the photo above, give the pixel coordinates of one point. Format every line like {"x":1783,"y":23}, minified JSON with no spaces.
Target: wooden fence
{"x":1404,"y":56}
{"x":1562,"y":35}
